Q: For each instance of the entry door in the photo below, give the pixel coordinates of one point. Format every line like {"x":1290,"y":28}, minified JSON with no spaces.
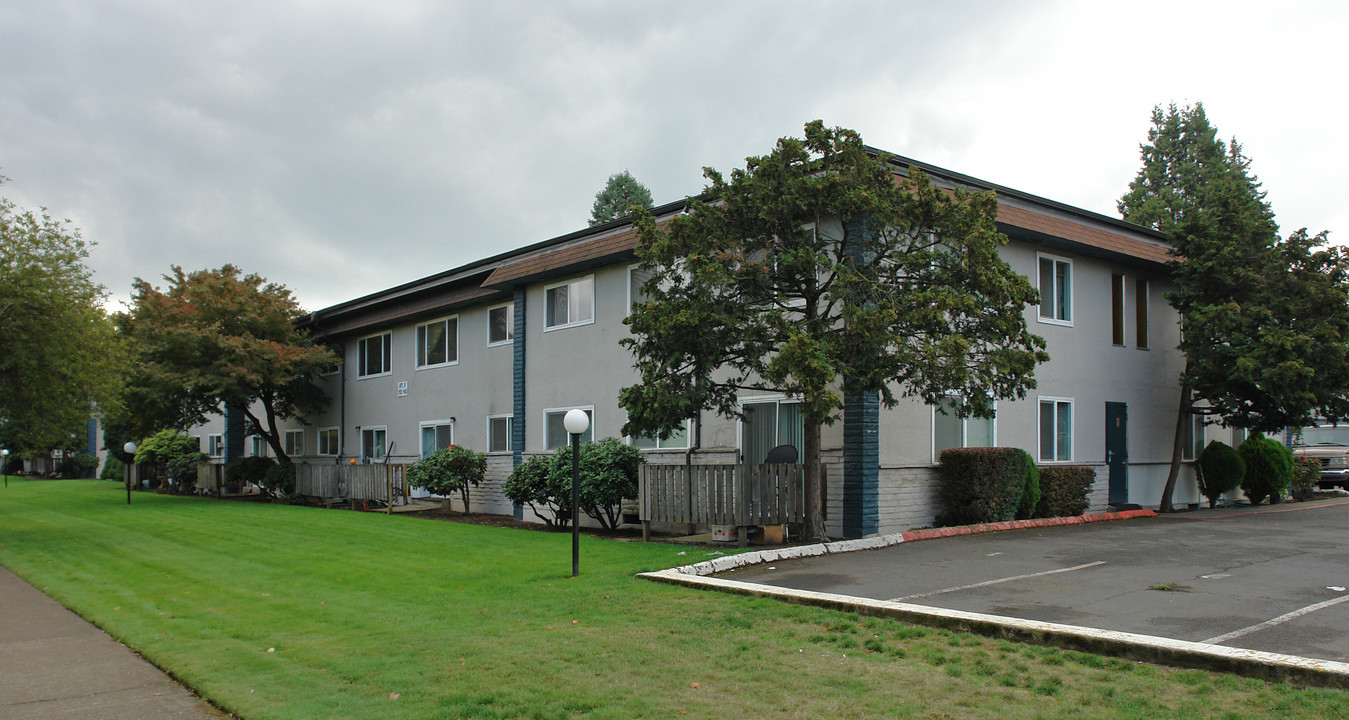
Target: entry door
{"x":1117,"y":450}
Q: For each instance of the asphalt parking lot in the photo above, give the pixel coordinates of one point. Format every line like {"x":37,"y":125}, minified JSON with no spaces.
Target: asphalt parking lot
{"x":1274,"y":579}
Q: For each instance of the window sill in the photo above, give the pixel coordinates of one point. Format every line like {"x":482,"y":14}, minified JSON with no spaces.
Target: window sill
{"x":578,"y":323}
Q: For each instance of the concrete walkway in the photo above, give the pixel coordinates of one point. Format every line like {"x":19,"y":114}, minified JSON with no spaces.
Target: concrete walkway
{"x":54,"y":665}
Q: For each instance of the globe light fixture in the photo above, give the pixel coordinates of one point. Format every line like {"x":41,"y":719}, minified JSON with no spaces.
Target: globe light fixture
{"x":575,"y":422}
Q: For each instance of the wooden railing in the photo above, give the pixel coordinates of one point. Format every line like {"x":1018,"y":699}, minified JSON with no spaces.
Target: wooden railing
{"x":353,"y":482}
{"x":739,"y":495}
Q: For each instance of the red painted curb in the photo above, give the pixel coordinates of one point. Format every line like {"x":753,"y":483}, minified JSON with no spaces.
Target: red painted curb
{"x":932,"y":533}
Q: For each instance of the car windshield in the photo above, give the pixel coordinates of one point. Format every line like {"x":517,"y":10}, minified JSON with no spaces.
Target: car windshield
{"x":1327,"y":435}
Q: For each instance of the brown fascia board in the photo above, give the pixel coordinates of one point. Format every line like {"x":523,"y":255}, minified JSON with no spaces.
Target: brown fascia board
{"x":437,"y":294}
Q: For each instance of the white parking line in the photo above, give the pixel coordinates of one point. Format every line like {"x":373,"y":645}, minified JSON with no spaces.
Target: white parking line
{"x":1275,"y":621}
{"x":1000,"y":580}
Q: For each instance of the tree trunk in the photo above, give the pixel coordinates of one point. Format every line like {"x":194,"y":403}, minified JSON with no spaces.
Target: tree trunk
{"x":1177,"y":448}
{"x":814,"y":513}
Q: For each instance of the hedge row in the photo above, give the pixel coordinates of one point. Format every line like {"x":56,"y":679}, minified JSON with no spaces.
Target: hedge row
{"x":983,"y":485}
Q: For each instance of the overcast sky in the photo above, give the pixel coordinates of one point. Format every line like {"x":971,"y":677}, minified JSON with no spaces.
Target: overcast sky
{"x":341,"y":147}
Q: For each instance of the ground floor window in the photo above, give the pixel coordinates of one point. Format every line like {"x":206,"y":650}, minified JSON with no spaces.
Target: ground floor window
{"x":328,"y":441}
{"x":499,"y":433}
{"x":950,"y":431}
{"x":1194,"y":437}
{"x":215,"y":445}
{"x":767,"y":424}
{"x":372,"y":443}
{"x":1056,"y":429}
{"x":436,"y":435}
{"x":294,"y":443}
{"x":678,"y":439}
{"x":555,"y":434}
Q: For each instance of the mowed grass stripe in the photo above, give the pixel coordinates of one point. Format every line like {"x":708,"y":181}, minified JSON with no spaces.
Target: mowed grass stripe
{"x":481,"y":622}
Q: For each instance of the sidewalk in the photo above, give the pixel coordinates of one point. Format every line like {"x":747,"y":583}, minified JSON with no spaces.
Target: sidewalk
{"x":53,"y":664}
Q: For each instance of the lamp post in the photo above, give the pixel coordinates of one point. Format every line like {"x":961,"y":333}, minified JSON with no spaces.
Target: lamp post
{"x":4,"y":465}
{"x":575,"y":422}
{"x":130,"y":449}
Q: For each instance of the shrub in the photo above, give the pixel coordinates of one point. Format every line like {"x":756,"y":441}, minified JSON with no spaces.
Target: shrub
{"x":978,"y":485}
{"x":447,"y":470}
{"x":113,"y":469}
{"x":1030,"y":493}
{"x":536,"y":484}
{"x":14,"y":466}
{"x":1064,"y":490}
{"x":1220,"y":470}
{"x":79,"y":465}
{"x":248,"y":470}
{"x":1269,"y":468}
{"x":279,"y":480}
{"x":1306,"y":476}
{"x":174,"y":454}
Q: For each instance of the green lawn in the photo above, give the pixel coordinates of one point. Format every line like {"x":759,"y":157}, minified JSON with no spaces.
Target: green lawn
{"x":283,"y":612}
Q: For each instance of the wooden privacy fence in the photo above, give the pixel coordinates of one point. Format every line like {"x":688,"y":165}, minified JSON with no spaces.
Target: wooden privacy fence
{"x":353,"y":482}
{"x":737,"y":495}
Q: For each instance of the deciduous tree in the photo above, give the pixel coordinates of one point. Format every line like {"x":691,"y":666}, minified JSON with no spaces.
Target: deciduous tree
{"x":1264,"y":319}
{"x":816,"y":268}
{"x":221,"y":338}
{"x":61,"y":362}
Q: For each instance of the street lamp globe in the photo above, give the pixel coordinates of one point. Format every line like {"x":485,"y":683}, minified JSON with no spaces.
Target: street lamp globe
{"x":575,"y":422}
{"x":129,"y":448}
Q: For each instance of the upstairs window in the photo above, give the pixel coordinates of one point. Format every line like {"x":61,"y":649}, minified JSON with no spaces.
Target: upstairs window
{"x":438,"y":343}
{"x":501,"y":325}
{"x":373,"y":355}
{"x":1141,"y":313}
{"x":1117,"y":286}
{"x":1056,"y":290}
{"x":569,"y":304}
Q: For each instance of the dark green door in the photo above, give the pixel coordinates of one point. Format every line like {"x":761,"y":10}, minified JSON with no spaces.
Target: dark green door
{"x":1117,"y":450}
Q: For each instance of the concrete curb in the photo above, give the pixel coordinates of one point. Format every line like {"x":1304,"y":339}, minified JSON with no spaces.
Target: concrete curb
{"x":1251,"y":663}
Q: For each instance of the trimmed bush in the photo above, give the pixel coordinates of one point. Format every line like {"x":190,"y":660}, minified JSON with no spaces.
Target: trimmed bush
{"x":248,"y":470}
{"x":1221,"y":470}
{"x":534,"y":483}
{"x":1306,"y":477}
{"x":979,"y":485}
{"x":173,"y":453}
{"x":279,"y":480}
{"x":1269,"y":469}
{"x":79,"y":465}
{"x":1030,"y":493}
{"x":449,"y":470}
{"x":113,"y":469}
{"x":608,"y":475}
{"x":1064,"y":490}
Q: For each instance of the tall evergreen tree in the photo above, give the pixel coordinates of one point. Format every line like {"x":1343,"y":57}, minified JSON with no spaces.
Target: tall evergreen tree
{"x":813,"y":269}
{"x":1264,"y":320}
{"x":618,"y":197}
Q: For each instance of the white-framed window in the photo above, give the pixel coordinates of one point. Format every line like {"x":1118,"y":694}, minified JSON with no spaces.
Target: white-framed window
{"x":257,"y":446}
{"x":436,"y":434}
{"x":1141,"y":313}
{"x":555,"y":434}
{"x":500,"y":325}
{"x":215,"y":445}
{"x":373,"y":442}
{"x":499,"y":433}
{"x":637,"y":277}
{"x":678,"y":439}
{"x":768,"y":422}
{"x":1239,"y":436}
{"x":1194,"y":437}
{"x":569,"y":304}
{"x":1056,"y":429}
{"x":1056,"y":289}
{"x":438,"y":343}
{"x":294,"y":443}
{"x":374,"y":355}
{"x":950,"y":431}
{"x":329,"y":441}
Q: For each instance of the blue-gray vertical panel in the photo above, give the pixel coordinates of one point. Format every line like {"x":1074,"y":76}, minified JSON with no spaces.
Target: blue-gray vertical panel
{"x":92,"y":436}
{"x":518,"y":382}
{"x":861,"y":429}
{"x":234,"y":433}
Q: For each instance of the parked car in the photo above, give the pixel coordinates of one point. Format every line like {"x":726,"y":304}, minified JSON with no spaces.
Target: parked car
{"x":1329,"y":444}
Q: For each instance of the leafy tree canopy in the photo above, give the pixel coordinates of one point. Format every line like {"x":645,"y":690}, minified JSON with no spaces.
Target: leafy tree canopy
{"x":62,"y":360}
{"x":1264,"y":319}
{"x":618,"y":197}
{"x":817,"y":266}
{"x":217,"y":338}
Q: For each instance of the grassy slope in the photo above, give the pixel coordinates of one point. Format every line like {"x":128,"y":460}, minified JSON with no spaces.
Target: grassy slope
{"x":467,"y":621}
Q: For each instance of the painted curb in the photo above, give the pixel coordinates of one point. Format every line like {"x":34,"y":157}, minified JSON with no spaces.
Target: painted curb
{"x":1181,"y":653}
